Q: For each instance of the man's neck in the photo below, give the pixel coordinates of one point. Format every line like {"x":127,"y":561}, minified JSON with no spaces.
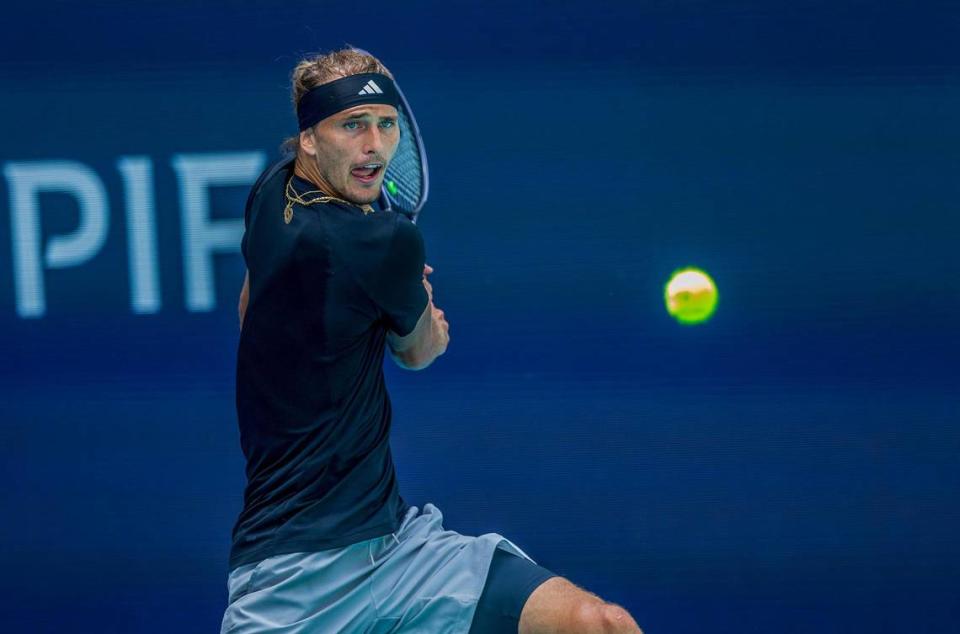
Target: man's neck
{"x":307,"y":170}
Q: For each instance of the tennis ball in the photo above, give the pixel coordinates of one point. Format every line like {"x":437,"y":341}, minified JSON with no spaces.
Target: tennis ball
{"x":691,"y":296}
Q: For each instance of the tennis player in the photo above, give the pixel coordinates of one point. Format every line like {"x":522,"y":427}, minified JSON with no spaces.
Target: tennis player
{"x":325,"y":543}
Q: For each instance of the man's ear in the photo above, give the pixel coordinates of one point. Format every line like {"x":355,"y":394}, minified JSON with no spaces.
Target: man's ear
{"x":308,"y":142}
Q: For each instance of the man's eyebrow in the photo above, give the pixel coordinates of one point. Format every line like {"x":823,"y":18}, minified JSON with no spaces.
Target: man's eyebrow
{"x":362,"y":114}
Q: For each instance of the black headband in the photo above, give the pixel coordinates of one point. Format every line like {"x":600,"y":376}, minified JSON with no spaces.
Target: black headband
{"x":328,"y":99}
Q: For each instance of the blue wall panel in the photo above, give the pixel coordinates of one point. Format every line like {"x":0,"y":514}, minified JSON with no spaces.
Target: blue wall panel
{"x":790,"y":465}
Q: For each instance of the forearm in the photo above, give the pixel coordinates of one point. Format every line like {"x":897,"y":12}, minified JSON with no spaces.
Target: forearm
{"x":244,"y":298}
{"x":421,"y":347}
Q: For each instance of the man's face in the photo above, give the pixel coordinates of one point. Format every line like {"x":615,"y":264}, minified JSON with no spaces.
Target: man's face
{"x":351,"y":150}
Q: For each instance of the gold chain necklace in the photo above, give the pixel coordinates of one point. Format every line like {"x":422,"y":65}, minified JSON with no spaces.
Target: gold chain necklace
{"x":296,"y":197}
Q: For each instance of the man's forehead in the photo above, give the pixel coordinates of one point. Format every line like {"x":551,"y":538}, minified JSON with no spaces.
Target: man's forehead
{"x":369,"y":109}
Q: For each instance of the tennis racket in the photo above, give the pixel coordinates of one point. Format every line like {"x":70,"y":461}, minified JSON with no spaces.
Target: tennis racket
{"x":406,"y":182}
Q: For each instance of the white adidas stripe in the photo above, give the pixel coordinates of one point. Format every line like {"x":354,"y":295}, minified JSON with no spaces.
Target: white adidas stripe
{"x":371,"y":89}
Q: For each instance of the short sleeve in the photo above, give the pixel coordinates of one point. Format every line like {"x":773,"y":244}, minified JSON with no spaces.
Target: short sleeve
{"x":398,"y":285}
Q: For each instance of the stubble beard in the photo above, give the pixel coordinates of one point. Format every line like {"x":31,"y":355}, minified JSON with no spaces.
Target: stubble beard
{"x":356,"y":195}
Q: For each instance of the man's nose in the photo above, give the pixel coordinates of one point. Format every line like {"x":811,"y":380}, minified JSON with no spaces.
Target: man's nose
{"x":373,"y":142}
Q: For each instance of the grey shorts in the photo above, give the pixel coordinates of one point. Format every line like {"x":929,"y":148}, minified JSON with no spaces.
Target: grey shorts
{"x":422,"y":578}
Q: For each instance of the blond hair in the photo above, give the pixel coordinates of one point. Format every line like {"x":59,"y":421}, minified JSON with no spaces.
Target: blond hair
{"x":323,"y":69}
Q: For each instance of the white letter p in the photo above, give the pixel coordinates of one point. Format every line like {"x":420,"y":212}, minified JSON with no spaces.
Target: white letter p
{"x":26,"y":181}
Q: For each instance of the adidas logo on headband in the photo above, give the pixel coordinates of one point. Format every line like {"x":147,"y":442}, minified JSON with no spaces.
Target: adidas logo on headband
{"x":371,"y":89}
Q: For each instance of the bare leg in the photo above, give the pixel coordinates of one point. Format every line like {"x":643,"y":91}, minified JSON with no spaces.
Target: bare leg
{"x":558,"y":607}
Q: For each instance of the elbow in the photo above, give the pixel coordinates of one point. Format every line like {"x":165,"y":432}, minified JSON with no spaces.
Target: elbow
{"x":412,"y":361}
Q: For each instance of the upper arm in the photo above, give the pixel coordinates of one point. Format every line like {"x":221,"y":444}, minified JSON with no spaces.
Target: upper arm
{"x":403,"y":347}
{"x":397,"y":285}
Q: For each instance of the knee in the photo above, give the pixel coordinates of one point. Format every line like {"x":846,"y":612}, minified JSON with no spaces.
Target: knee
{"x":603,"y":618}
{"x":616,"y":619}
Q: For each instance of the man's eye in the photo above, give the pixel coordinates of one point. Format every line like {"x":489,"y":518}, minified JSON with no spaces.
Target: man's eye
{"x":351,"y":125}
{"x":387,"y":124}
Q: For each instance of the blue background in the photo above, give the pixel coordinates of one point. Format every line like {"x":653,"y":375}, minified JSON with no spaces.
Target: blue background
{"x":789,"y":466}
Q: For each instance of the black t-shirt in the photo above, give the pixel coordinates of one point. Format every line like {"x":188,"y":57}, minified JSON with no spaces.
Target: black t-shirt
{"x":312,"y":405}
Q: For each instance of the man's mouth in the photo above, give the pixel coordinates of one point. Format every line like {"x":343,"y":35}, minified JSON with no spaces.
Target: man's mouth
{"x":367,"y":173}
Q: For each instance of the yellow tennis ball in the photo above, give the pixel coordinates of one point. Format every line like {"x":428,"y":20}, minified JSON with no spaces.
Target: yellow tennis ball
{"x":691,"y":296}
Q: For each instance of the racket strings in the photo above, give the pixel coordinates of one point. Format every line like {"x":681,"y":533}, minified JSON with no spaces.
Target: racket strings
{"x":406,"y":169}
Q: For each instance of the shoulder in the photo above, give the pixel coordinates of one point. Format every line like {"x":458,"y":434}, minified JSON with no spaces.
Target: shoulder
{"x":350,"y":225}
{"x":269,"y":184}
{"x":397,"y":235}
{"x":405,"y":232}
{"x":363,"y":242}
